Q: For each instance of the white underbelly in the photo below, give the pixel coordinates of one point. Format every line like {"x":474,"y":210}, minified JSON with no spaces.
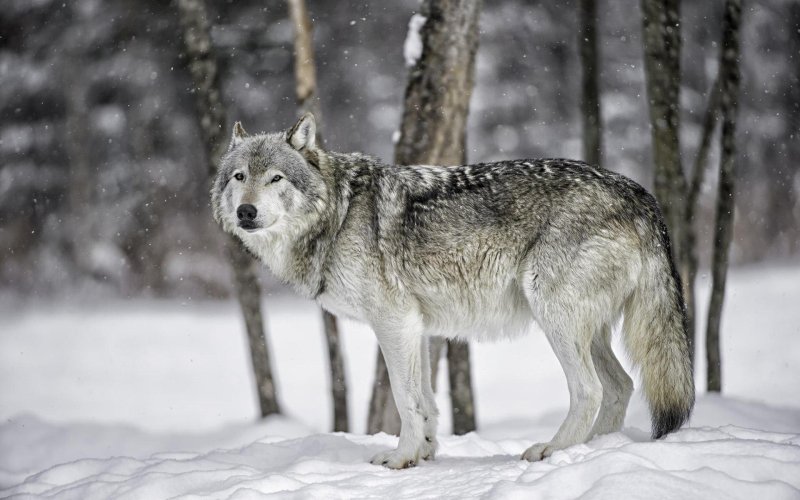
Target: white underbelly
{"x":490,"y":315}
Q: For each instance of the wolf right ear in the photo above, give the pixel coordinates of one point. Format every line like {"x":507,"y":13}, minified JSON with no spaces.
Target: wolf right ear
{"x":304,"y":133}
{"x":237,"y":136}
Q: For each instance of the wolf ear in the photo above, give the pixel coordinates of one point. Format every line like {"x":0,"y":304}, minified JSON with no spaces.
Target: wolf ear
{"x":237,"y":136}
{"x":303,"y":134}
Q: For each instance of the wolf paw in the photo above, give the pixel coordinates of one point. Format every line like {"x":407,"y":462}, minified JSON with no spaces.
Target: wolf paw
{"x":538,"y":452}
{"x":394,"y":459}
{"x":428,"y":449}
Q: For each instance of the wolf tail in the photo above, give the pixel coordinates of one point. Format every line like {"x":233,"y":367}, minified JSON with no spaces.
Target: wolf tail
{"x":655,"y":335}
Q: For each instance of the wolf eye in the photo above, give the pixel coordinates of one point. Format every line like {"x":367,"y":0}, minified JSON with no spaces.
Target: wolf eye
{"x":239,"y":176}
{"x":276,"y":179}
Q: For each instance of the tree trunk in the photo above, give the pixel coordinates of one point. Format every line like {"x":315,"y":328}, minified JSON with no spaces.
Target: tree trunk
{"x":461,"y":387}
{"x":248,"y":292}
{"x":306,"y":91}
{"x":433,"y":132}
{"x":662,"y":49}
{"x":436,"y":347}
{"x":590,"y":97}
{"x":698,"y":173}
{"x":341,"y":422}
{"x":211,"y":116}
{"x":383,"y":415}
{"x":78,"y":149}
{"x":729,"y":79}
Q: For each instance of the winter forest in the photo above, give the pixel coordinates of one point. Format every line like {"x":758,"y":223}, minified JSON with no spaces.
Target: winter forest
{"x":144,"y":353}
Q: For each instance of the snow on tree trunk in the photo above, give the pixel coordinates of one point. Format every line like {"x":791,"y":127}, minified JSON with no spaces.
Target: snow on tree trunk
{"x":590,"y":97}
{"x":306,"y":91}
{"x":433,"y":132}
{"x":662,"y":50}
{"x":729,"y":80}
{"x":211,"y":117}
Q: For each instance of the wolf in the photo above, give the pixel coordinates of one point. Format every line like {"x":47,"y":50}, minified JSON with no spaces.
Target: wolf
{"x":471,"y":252}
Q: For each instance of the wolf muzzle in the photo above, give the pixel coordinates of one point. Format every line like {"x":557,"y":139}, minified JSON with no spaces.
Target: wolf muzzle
{"x":246,"y":214}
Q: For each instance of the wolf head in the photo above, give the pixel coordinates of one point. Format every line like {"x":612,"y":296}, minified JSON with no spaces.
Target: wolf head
{"x":270,"y":184}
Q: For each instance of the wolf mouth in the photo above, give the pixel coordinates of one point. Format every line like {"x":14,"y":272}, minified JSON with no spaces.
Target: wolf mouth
{"x":248,"y":225}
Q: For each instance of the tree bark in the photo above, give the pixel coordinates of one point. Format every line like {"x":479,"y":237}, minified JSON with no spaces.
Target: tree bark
{"x":306,"y":91}
{"x":433,"y":132}
{"x":698,"y":174}
{"x":729,"y":78}
{"x":662,"y":49}
{"x":436,"y":346}
{"x":590,"y":97}
{"x":383,"y":415}
{"x":211,"y":116}
{"x":458,"y":369}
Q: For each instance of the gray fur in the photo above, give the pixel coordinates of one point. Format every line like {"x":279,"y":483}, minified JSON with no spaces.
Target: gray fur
{"x":474,"y":252}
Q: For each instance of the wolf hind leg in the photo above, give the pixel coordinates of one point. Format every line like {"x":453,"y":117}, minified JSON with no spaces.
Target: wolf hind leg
{"x":617,"y":385}
{"x":571,"y":340}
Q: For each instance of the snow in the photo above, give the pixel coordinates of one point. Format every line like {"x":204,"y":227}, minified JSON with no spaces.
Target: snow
{"x":153,"y":399}
{"x":412,"y":47}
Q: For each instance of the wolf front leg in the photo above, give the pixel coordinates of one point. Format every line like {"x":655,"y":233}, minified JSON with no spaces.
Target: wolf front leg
{"x":430,"y":412}
{"x":402,"y":345}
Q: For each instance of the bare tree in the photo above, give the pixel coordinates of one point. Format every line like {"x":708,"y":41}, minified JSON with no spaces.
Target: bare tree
{"x":590,"y":97}
{"x":306,"y":91}
{"x":723,"y":233}
{"x":433,"y":131}
{"x":662,"y":50}
{"x":202,"y":65}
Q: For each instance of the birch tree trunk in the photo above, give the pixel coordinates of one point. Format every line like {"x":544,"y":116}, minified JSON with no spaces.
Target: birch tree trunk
{"x":307,"y":100}
{"x":590,"y":97}
{"x":433,"y":132}
{"x":662,"y":50}
{"x":202,"y":65}
{"x":729,"y":80}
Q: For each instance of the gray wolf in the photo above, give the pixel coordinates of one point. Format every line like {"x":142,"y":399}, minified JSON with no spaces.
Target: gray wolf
{"x":471,"y":252}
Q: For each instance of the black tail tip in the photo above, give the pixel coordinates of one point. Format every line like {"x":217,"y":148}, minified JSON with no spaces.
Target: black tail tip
{"x":669,"y":420}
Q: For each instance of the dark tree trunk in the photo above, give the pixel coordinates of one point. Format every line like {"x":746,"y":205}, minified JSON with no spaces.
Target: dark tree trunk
{"x":341,"y":422}
{"x":248,"y":292}
{"x":729,"y":79}
{"x":306,"y":91}
{"x":698,"y":174}
{"x":590,"y":97}
{"x":78,"y":148}
{"x":383,"y":415}
{"x":662,"y":50}
{"x":433,"y":132}
{"x":458,"y":369}
{"x":211,"y":116}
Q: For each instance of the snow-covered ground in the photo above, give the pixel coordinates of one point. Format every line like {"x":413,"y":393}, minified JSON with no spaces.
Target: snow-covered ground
{"x":154,"y":400}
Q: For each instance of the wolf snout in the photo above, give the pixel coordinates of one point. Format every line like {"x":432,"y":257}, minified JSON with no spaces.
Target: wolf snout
{"x":246,"y":214}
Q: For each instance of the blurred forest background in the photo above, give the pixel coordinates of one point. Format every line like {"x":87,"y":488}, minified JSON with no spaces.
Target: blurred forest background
{"x":103,"y":185}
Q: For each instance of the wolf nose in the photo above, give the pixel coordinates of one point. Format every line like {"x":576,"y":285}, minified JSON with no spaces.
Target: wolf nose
{"x":246,"y":212}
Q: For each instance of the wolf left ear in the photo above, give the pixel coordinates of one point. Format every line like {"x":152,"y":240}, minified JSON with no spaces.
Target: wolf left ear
{"x":303,"y":134}
{"x":237,"y":136}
